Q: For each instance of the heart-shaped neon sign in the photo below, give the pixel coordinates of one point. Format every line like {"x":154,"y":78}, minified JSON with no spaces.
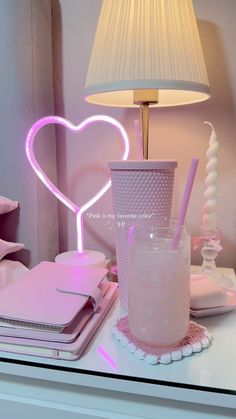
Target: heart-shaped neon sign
{"x":29,"y":147}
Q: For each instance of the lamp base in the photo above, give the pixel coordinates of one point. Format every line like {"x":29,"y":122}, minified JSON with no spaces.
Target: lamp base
{"x":89,"y":259}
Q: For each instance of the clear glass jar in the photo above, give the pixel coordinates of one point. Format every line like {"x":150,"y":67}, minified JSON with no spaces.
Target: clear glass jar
{"x":158,"y":284}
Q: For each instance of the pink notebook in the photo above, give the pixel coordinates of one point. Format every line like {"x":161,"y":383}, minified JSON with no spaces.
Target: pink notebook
{"x":60,"y":350}
{"x":50,"y":296}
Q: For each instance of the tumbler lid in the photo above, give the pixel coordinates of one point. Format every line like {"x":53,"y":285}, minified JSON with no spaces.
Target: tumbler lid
{"x":142,"y":164}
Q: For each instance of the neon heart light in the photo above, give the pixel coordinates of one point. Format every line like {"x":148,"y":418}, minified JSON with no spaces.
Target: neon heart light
{"x":47,"y":182}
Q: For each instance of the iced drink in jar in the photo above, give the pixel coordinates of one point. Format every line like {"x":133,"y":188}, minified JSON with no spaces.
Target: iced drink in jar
{"x":159,"y":286}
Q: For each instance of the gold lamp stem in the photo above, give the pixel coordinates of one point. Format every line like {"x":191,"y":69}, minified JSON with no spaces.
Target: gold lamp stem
{"x":144,"y":108}
{"x":144,"y":98}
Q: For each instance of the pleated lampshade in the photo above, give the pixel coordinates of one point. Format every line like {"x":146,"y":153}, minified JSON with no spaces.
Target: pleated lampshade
{"x":147,"y":45}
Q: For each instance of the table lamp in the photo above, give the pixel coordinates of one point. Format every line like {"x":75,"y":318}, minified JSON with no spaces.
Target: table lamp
{"x":145,"y":52}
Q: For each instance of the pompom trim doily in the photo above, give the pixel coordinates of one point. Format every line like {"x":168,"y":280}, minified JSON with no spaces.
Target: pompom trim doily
{"x":197,"y":339}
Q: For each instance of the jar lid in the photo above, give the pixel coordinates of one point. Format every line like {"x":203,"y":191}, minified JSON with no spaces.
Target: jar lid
{"x":142,"y":164}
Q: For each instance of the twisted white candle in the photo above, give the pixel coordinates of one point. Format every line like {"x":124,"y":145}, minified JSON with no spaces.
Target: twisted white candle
{"x":211,"y":186}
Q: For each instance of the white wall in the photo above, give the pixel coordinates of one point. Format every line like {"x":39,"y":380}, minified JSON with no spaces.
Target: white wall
{"x":175,"y":133}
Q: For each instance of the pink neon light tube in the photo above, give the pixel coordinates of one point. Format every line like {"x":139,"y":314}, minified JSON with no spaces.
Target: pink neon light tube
{"x":29,"y":147}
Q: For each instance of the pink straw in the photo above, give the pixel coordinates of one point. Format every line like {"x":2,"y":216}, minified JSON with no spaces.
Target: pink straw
{"x":184,"y":203}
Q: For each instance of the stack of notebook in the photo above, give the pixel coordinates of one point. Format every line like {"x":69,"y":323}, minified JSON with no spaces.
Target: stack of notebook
{"x":54,"y":310}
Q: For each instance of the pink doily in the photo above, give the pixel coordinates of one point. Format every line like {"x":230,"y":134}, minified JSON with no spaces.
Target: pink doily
{"x":197,"y":339}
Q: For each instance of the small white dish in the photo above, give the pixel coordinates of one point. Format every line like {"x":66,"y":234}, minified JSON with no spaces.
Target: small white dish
{"x":213,"y":311}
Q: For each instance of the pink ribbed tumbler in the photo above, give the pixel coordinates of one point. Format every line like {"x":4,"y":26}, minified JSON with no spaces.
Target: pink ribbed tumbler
{"x":142,"y":192}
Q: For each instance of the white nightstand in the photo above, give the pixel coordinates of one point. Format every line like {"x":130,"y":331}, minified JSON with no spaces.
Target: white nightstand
{"x":109,"y":382}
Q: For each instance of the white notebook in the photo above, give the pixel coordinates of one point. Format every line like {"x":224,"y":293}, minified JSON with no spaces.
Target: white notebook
{"x":68,"y":334}
{"x":50,"y":295}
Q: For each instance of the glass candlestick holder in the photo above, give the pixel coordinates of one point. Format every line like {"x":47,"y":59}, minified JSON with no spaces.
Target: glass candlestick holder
{"x":210,"y":240}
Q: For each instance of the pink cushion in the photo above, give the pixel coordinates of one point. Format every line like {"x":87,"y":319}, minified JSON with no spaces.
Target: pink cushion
{"x":7,"y":205}
{"x":9,"y":247}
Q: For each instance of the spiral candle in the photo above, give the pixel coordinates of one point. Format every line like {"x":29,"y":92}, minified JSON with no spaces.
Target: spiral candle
{"x":211,"y":186}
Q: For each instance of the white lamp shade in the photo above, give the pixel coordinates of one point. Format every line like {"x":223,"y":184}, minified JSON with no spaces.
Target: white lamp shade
{"x":147,"y":44}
